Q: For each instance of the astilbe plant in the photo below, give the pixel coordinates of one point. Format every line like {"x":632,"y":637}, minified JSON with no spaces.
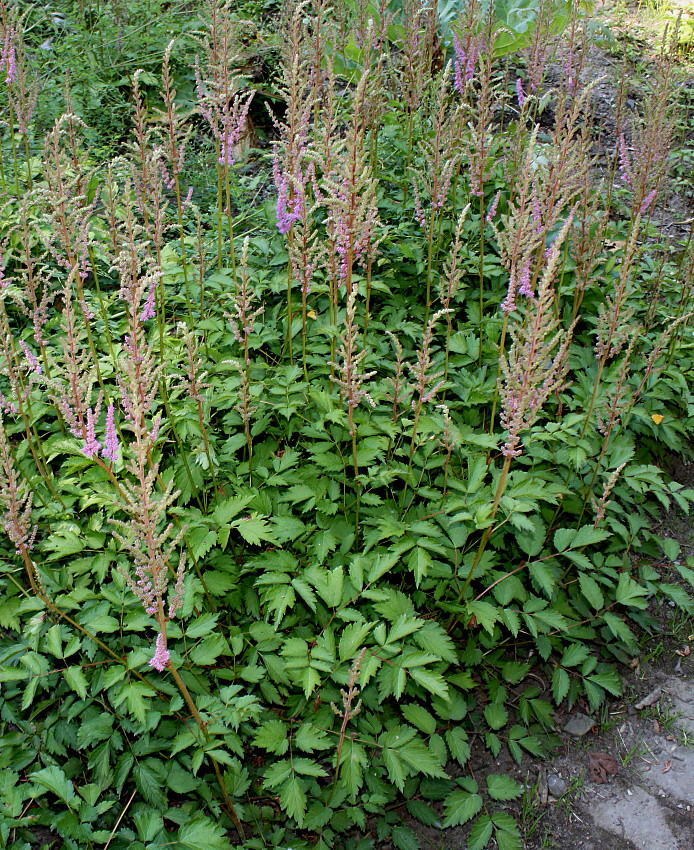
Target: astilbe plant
{"x":331,"y":567}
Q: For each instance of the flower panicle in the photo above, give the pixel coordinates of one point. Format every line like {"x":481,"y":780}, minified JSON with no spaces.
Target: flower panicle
{"x":537,"y":363}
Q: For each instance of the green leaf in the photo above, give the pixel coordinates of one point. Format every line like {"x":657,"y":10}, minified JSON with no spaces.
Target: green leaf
{"x":587,"y":535}
{"x":201,"y":626}
{"x":460,"y":807}
{"x":76,"y":680}
{"x":619,"y":629}
{"x":404,"y":625}
{"x":458,"y":745}
{"x":484,"y":613}
{"x":404,"y":839}
{"x":433,"y":637}
{"x":630,"y":592}
{"x":679,"y":596}
{"x":507,"y":832}
{"x":480,"y":833}
{"x":352,"y":639}
{"x":54,"y":643}
{"x":419,"y":717}
{"x":609,"y":680}
{"x":419,"y":562}
{"x":433,"y":682}
{"x":206,"y":652}
{"x":272,"y":736}
{"x":543,"y":577}
{"x":591,"y":590}
{"x":254,"y":530}
{"x":422,"y":812}
{"x":13,"y":674}
{"x":560,"y":684}
{"x":563,"y":538}
{"x":293,"y":799}
{"x":54,"y":779}
{"x":198,"y":833}
{"x":503,"y":787}
{"x":227,"y":510}
{"x":496,"y":715}
{"x":149,"y":779}
{"x":575,"y":653}
{"x":309,"y":738}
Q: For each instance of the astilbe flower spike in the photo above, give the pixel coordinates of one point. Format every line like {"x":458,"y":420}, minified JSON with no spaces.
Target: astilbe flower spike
{"x":221,"y":99}
{"x":15,"y":497}
{"x":538,"y":360}
{"x":350,"y":378}
{"x":146,"y":537}
{"x":111,"y":449}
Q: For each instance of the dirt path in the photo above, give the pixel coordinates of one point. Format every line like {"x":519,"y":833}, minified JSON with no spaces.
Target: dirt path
{"x":649,"y":803}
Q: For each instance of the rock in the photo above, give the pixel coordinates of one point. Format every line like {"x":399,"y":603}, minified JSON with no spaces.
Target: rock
{"x":650,"y":699}
{"x":556,"y":785}
{"x":579,"y":724}
{"x":637,"y":821}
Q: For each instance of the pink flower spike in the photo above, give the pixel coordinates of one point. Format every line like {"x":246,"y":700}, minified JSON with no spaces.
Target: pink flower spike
{"x":525,"y":288}
{"x":31,"y":358}
{"x":148,"y":309}
{"x":111,"y":448}
{"x":493,"y":207}
{"x":91,"y":445}
{"x":160,"y":659}
{"x":647,"y":201}
{"x":520,"y":93}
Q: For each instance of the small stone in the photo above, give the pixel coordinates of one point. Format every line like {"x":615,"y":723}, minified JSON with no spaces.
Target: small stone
{"x":579,"y":724}
{"x":556,"y":785}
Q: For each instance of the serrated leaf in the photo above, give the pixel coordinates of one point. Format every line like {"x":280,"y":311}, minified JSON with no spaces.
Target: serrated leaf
{"x":591,"y":590}
{"x":53,"y":778}
{"x":208,"y":650}
{"x":502,"y":787}
{"x":404,"y":839}
{"x":587,"y":536}
{"x":419,"y":717}
{"x":458,"y":745}
{"x":619,"y":628}
{"x":560,"y":684}
{"x":484,"y":613}
{"x":199,"y":833}
{"x":149,"y":782}
{"x":309,"y":738}
{"x":201,"y":626}
{"x":480,"y":833}
{"x":272,"y":736}
{"x":352,"y":639}
{"x":609,"y":680}
{"x":575,"y":653}
{"x":254,"y":530}
{"x":422,"y":812}
{"x":293,"y":799}
{"x":563,"y":537}
{"x":543,"y":578}
{"x":228,"y":509}
{"x":460,"y":807}
{"x":496,"y":715}
{"x":419,"y":562}
{"x":433,"y":637}
{"x":433,"y":682}
{"x":76,"y":680}
{"x":630,"y":592}
{"x":509,"y":839}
